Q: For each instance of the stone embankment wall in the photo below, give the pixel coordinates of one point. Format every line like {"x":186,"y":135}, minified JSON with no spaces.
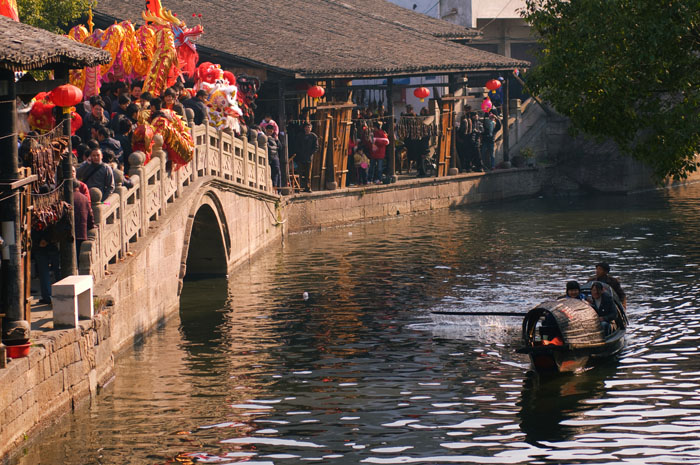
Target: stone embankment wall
{"x":333,"y":208}
{"x":63,"y":368}
{"x":138,"y":257}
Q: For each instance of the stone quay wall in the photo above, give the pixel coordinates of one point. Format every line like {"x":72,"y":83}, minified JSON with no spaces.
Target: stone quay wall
{"x":137,"y":255}
{"x":63,"y":368}
{"x":325,"y":209}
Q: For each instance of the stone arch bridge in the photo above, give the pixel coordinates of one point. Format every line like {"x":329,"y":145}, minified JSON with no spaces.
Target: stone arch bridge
{"x":199,"y":220}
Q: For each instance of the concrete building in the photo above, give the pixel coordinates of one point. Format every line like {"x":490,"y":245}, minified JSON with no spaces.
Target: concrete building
{"x":499,"y":21}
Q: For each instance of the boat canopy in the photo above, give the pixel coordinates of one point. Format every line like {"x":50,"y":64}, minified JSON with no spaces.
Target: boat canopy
{"x":577,"y":322}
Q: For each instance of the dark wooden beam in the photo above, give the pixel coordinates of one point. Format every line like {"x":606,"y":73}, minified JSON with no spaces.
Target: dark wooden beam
{"x":34,"y":87}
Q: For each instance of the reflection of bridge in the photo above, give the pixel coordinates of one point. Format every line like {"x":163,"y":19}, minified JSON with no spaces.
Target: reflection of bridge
{"x":199,"y":220}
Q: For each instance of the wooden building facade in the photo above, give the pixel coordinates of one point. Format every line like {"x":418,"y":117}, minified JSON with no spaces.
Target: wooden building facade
{"x":289,"y":46}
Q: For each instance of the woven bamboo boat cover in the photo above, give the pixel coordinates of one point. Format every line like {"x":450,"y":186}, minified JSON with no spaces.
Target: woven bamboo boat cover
{"x":578,"y":321}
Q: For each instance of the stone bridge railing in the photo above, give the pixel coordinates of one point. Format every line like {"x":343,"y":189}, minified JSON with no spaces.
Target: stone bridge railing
{"x":125,"y":216}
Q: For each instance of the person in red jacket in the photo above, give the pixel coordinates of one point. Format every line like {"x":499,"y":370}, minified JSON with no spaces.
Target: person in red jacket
{"x":379,"y":142}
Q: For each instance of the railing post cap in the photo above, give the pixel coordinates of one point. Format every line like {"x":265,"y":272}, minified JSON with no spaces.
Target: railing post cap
{"x":118,"y":177}
{"x":136,"y":159}
{"x":95,"y":195}
{"x":157,"y":143}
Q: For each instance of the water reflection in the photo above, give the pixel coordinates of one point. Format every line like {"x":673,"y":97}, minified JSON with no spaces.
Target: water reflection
{"x":360,"y":373}
{"x":548,"y":402}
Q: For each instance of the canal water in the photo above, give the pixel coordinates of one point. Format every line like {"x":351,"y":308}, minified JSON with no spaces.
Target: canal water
{"x":254,"y":371}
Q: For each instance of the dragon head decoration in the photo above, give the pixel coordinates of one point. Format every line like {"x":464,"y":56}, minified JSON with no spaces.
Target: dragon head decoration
{"x":183,"y":37}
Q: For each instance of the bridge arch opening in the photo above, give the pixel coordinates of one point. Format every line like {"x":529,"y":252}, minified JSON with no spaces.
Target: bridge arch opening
{"x":207,"y":251}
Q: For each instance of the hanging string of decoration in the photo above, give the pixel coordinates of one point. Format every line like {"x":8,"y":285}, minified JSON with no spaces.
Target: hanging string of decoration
{"x":49,"y":209}
{"x":415,"y":127}
{"x":43,"y":154}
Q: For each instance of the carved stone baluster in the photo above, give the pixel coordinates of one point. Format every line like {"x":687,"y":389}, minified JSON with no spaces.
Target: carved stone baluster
{"x":138,"y":174}
{"x":159,"y":156}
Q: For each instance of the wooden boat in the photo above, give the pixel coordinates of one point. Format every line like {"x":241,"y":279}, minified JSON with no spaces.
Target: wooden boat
{"x":565,"y":335}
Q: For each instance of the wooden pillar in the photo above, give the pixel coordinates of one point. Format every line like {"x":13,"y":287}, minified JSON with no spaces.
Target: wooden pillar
{"x":284,"y":139}
{"x":69,"y":262}
{"x":453,"y":85}
{"x":506,"y":116}
{"x":391,"y":149}
{"x":67,"y":247}
{"x":11,"y":276}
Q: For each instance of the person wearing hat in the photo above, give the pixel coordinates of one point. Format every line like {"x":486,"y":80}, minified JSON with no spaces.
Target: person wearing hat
{"x":573,"y":290}
{"x":601,"y":274}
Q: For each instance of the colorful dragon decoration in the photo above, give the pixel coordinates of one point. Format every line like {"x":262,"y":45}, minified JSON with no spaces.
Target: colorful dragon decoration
{"x":156,"y":53}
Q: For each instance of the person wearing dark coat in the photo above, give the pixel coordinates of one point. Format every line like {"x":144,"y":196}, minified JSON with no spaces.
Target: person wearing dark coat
{"x":108,"y":143}
{"x":462,"y":136}
{"x":84,"y":220}
{"x":473,"y":143}
{"x":273,"y":155}
{"x":95,"y":173}
{"x":95,"y":118}
{"x":198,"y":106}
{"x":123,"y":136}
{"x":604,"y":306}
{"x":308,"y":145}
{"x":601,"y":274}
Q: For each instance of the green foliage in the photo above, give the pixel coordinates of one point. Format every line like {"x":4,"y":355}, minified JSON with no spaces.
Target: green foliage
{"x":627,"y":70}
{"x":52,"y":15}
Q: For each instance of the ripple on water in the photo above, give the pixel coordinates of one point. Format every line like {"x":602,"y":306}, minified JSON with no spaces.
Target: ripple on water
{"x":360,"y":373}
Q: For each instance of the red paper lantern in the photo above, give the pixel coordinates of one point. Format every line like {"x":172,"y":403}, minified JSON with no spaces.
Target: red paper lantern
{"x":493,"y":84}
{"x":76,"y":122}
{"x":316,"y":92}
{"x":421,"y":93}
{"x":66,"y":95}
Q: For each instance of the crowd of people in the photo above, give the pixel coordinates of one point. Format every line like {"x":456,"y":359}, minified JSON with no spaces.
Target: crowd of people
{"x":476,"y":141}
{"x":101,"y":149}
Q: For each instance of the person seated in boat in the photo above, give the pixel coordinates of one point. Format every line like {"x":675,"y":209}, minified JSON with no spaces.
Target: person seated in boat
{"x":601,"y":274}
{"x":603,"y":304}
{"x":573,"y":291}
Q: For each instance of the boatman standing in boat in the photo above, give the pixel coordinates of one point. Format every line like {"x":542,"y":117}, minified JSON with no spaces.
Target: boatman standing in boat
{"x":601,"y":274}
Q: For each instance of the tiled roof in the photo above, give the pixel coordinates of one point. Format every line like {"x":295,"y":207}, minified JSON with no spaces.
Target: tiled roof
{"x":317,"y":38}
{"x":24,"y":47}
{"x":399,"y":15}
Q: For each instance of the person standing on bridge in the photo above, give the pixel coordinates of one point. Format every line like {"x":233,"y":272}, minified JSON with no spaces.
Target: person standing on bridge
{"x":491,"y":127}
{"x":95,"y":173}
{"x":308,"y":145}
{"x":273,"y":155}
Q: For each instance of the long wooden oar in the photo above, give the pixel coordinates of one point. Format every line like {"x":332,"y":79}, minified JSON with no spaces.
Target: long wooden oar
{"x":443,"y":312}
